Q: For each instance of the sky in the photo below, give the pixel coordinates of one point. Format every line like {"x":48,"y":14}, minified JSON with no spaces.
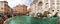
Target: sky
{"x":13,"y":3}
{"x":1,"y":0}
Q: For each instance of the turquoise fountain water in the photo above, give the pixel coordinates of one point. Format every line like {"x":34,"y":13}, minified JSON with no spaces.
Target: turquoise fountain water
{"x":32,"y":20}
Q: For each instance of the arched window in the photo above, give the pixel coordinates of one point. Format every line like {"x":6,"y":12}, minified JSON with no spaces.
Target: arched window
{"x":1,"y":8}
{"x":40,"y":3}
{"x":35,"y":1}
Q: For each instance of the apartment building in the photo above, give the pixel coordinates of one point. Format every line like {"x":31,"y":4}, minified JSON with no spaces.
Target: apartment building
{"x":1,"y":6}
{"x":7,"y":8}
{"x":20,"y":9}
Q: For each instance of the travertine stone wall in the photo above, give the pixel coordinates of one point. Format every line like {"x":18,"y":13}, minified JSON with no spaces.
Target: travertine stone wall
{"x":45,"y":5}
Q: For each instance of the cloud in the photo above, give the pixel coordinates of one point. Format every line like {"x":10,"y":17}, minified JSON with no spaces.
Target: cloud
{"x":13,"y":3}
